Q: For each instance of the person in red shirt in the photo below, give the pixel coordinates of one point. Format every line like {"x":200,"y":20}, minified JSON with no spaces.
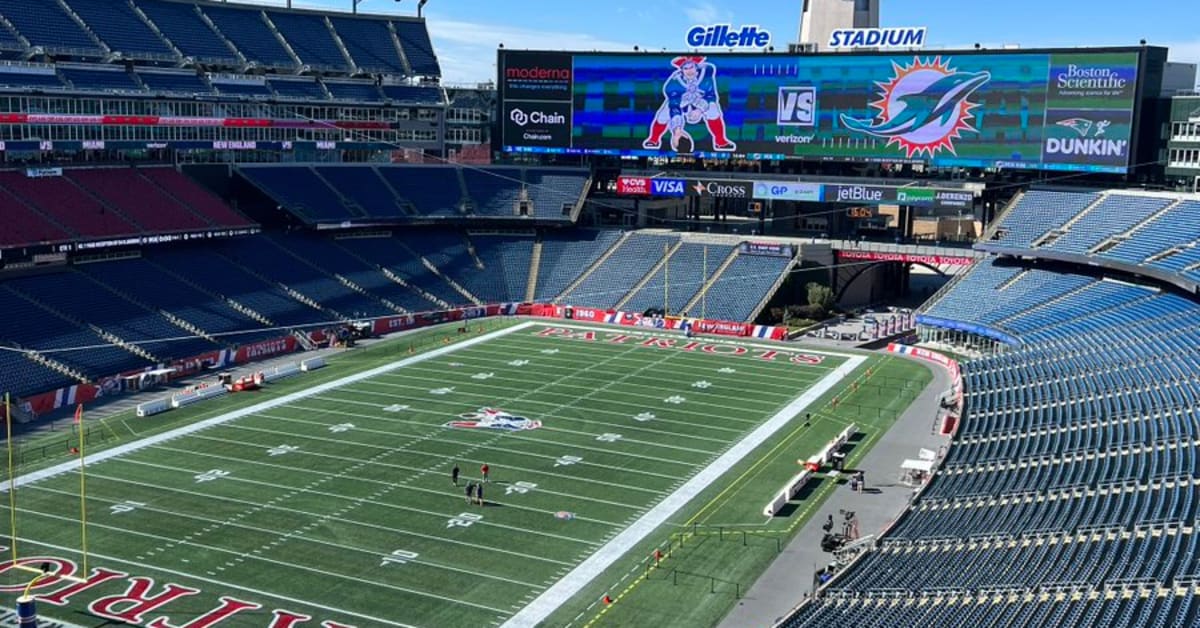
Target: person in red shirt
{"x":484,"y":470}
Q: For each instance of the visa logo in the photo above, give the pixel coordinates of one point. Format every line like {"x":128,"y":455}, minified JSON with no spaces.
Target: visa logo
{"x":797,"y":106}
{"x":666,"y":187}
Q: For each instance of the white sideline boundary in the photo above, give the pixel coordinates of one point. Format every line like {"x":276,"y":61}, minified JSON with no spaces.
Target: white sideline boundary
{"x":150,"y":441}
{"x":571,"y":584}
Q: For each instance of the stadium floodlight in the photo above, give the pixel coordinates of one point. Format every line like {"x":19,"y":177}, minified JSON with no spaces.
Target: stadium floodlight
{"x":420,"y":5}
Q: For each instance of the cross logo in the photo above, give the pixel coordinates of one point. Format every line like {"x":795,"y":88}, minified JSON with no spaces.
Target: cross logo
{"x":342,"y":427}
{"x":675,"y":399}
{"x":645,"y":416}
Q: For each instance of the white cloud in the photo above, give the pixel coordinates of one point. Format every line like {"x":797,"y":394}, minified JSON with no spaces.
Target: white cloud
{"x":467,"y":50}
{"x":707,"y":13}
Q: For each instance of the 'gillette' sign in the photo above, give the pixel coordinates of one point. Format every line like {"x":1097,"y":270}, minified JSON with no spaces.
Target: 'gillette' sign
{"x":900,"y":37}
{"x":726,"y":36}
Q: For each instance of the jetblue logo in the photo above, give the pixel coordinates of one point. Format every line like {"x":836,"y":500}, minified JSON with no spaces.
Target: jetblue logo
{"x":797,"y":106}
{"x":666,"y":187}
{"x":725,"y":36}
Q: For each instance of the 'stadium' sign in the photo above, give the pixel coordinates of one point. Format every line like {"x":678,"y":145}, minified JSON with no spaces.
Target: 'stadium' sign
{"x":900,"y":37}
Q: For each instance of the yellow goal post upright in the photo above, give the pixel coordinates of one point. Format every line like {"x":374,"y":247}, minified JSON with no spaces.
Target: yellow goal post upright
{"x":26,"y":604}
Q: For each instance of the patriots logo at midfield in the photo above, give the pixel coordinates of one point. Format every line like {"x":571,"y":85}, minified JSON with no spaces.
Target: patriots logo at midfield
{"x":923,"y":108}
{"x":494,"y":419}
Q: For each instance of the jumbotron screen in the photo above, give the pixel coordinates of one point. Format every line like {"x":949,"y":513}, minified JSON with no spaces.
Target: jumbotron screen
{"x":1056,"y":110}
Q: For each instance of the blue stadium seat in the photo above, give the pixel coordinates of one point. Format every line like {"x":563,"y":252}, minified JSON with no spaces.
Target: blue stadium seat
{"x":253,"y":89}
{"x":186,"y":83}
{"x":30,"y":78}
{"x":180,"y":22}
{"x":123,"y":30}
{"x":296,"y":188}
{"x":310,"y":39}
{"x":555,"y":191}
{"x":1039,"y":211}
{"x":414,"y":38}
{"x":433,"y":190}
{"x":412,"y":93}
{"x":363,"y":185}
{"x":370,"y":44}
{"x":741,"y":287}
{"x":100,"y":79}
{"x":248,"y":31}
{"x":46,"y":25}
{"x":494,"y":191}
{"x":565,"y":257}
{"x":358,"y":91}
{"x":1113,"y":215}
{"x":303,"y":89}
{"x":680,"y":279}
{"x":610,"y":281}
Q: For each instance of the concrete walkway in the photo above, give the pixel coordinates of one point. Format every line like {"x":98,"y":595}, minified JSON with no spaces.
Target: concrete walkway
{"x":790,"y":578}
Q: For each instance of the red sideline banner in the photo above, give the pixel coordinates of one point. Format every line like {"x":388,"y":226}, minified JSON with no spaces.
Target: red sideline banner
{"x":951,"y":366}
{"x":632,"y":319}
{"x":880,"y":256}
{"x":83,"y":393}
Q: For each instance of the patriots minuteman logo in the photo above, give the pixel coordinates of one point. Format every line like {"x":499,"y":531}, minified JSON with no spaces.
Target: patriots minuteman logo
{"x":494,"y":419}
{"x":923,"y":108}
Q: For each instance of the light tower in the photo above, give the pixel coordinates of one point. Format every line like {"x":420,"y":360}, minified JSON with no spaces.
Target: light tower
{"x":819,"y":18}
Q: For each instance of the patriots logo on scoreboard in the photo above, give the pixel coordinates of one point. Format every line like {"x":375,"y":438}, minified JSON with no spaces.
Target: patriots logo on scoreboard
{"x":1082,"y":126}
{"x":923,"y":108}
{"x":494,"y":419}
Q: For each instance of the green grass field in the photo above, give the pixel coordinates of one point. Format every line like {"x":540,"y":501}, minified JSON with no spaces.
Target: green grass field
{"x":337,"y":505}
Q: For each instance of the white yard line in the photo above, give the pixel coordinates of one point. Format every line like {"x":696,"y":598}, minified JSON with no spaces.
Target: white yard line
{"x":375,"y":554}
{"x":351,"y":522}
{"x":120,"y":450}
{"x":545,"y":604}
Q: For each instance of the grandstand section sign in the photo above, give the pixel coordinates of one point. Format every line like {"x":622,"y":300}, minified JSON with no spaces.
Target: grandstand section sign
{"x":907,"y":258}
{"x":1064,"y":110}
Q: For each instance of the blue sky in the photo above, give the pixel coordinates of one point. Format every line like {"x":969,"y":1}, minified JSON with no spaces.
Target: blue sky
{"x":466,"y":32}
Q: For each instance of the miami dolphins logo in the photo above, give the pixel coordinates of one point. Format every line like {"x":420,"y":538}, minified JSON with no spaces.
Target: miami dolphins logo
{"x":923,"y":108}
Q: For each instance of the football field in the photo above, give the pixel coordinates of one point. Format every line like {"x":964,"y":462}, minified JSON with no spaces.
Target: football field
{"x":330,"y":501}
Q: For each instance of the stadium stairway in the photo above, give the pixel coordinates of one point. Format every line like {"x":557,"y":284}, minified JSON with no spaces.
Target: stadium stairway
{"x":104,"y":203}
{"x":600,"y":261}
{"x":425,"y":261}
{"x":1047,"y":239}
{"x":712,"y":280}
{"x":766,"y":298}
{"x":409,"y":304}
{"x":356,"y":210}
{"x":307,"y":246}
{"x":239,"y":307}
{"x":1115,"y":240}
{"x":655,"y":271}
{"x":535,"y":265}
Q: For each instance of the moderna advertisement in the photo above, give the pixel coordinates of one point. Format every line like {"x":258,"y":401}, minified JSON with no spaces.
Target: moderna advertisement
{"x":1067,"y":110}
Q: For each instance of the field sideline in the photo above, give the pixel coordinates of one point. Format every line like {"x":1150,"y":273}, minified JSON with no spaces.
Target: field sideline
{"x":334,"y":504}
